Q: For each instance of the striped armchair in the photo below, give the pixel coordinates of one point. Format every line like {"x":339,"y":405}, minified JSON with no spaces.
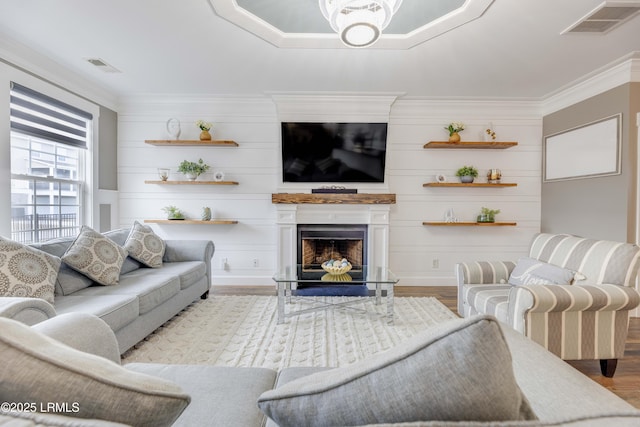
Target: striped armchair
{"x":586,"y":320}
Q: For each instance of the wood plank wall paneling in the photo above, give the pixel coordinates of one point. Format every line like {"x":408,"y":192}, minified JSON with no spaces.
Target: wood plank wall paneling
{"x":255,"y":164}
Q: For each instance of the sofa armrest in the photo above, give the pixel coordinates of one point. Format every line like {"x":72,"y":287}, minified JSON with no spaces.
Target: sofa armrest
{"x":568,"y":298}
{"x":84,"y":332}
{"x":188,"y":250}
{"x":481,"y":273}
{"x":26,"y":310}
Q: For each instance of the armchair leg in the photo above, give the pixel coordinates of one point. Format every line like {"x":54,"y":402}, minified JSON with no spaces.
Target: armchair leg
{"x":608,"y":367}
{"x":205,"y":295}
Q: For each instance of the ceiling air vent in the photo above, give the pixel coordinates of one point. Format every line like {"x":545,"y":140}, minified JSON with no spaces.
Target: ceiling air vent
{"x":605,"y":17}
{"x":102,"y":65}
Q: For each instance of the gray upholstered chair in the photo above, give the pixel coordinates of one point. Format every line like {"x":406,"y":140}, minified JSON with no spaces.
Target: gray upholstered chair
{"x":587,"y":319}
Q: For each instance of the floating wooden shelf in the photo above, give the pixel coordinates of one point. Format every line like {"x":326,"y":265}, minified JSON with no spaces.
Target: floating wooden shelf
{"x":190,"y":142}
{"x":172,"y":182}
{"x":470,"y":144}
{"x":466,"y":224}
{"x":467,"y":184}
{"x":333,"y":198}
{"x":190,"y":221}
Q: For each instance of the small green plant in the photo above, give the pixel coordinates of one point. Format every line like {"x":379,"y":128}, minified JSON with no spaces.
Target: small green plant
{"x":187,"y":167}
{"x":467,"y":171}
{"x":488,"y":215}
{"x":173,"y":212}
{"x":204,"y":125}
{"x":489,"y":212}
{"x":455,"y":128}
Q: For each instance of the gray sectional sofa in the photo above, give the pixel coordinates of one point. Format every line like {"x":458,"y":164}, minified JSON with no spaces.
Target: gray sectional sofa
{"x":143,"y":299}
{"x":466,"y":372}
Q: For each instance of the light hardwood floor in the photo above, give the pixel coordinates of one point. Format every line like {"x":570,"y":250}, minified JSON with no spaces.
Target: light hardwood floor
{"x":625,"y":383}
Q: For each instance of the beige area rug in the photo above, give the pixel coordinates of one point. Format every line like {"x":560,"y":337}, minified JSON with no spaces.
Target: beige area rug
{"x":243,"y":331}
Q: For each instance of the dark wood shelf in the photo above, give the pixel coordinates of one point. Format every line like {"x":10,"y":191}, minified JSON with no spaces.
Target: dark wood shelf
{"x":467,"y":184}
{"x":467,"y":224}
{"x":190,"y":142}
{"x":333,"y":198}
{"x":470,"y":144}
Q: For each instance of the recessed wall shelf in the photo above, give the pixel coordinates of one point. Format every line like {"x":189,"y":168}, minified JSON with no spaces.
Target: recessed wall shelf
{"x":191,"y":142}
{"x":469,"y":184}
{"x":173,"y":182}
{"x":190,"y":221}
{"x":470,"y":144}
{"x":466,"y":224}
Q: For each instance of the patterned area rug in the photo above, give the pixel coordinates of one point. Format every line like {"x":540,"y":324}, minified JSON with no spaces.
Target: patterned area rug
{"x":243,"y":331}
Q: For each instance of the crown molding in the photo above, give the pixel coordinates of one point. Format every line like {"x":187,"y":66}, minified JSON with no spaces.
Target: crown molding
{"x":616,"y":73}
{"x":25,"y":59}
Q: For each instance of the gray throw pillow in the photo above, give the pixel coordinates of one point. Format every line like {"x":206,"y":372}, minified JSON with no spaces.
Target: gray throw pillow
{"x":39,"y":370}
{"x":96,"y":256}
{"x":460,"y":370}
{"x":145,"y":246}
{"x":530,"y":271}
{"x":27,"y":272}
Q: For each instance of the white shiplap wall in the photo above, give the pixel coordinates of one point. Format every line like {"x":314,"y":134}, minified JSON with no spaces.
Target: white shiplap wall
{"x":254,"y":124}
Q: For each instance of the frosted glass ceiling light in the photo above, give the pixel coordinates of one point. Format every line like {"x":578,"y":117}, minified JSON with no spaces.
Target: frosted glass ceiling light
{"x":359,"y":22}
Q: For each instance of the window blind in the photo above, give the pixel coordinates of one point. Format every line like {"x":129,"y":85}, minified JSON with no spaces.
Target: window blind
{"x":39,"y":115}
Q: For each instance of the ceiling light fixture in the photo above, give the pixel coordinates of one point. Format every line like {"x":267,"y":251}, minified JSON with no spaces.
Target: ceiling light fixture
{"x":359,"y":22}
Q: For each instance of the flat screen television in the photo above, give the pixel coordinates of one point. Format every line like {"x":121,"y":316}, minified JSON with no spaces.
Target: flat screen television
{"x":333,"y":152}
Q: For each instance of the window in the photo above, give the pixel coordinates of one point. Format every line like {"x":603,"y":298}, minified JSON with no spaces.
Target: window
{"x":48,"y":156}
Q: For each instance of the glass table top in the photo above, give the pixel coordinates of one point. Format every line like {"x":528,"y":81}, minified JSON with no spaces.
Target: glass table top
{"x":356,"y":276}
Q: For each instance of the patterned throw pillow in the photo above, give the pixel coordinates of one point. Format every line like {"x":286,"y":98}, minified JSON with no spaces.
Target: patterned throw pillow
{"x":27,"y":272}
{"x":529,"y":271}
{"x":144,"y":245}
{"x":96,"y":256}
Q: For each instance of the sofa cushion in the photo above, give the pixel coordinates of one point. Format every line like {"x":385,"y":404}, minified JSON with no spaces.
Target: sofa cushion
{"x":145,"y":246}
{"x":68,"y":280}
{"x":151,"y":290}
{"x":40,"y":370}
{"x":529,"y":271}
{"x":458,"y":370}
{"x":221,"y":396}
{"x":27,"y":272}
{"x":189,"y":272}
{"x":95,"y":256}
{"x":116,"y":310}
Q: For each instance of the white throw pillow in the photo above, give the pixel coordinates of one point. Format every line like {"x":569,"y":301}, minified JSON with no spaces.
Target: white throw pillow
{"x":530,"y":271}
{"x":39,"y":370}
{"x":96,"y":256}
{"x":145,"y":246}
{"x":27,"y":272}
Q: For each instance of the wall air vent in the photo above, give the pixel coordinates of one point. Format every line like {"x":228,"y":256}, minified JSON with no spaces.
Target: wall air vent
{"x":102,"y":65}
{"x":605,"y":17}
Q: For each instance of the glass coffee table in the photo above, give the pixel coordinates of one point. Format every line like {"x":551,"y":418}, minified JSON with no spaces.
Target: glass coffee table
{"x":291,"y":288}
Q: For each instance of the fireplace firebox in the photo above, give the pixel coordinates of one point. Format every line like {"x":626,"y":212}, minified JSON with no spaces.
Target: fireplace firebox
{"x":318,"y":243}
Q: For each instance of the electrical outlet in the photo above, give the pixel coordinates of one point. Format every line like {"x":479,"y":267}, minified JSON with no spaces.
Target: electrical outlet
{"x":256,"y":263}
{"x":435,"y":263}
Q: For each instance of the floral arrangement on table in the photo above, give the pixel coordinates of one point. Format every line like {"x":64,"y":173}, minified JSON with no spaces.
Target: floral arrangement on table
{"x":336,"y":266}
{"x":204,"y":125}
{"x":455,"y":127}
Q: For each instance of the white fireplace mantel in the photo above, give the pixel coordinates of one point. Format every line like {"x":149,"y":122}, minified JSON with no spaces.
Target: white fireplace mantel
{"x":375,"y":216}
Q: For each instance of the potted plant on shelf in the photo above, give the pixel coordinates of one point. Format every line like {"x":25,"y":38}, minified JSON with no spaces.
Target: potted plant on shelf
{"x":173,"y":212}
{"x":488,"y":215}
{"x":192,"y":170}
{"x":205,"y":127}
{"x":454,"y":129}
{"x":467,"y":174}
